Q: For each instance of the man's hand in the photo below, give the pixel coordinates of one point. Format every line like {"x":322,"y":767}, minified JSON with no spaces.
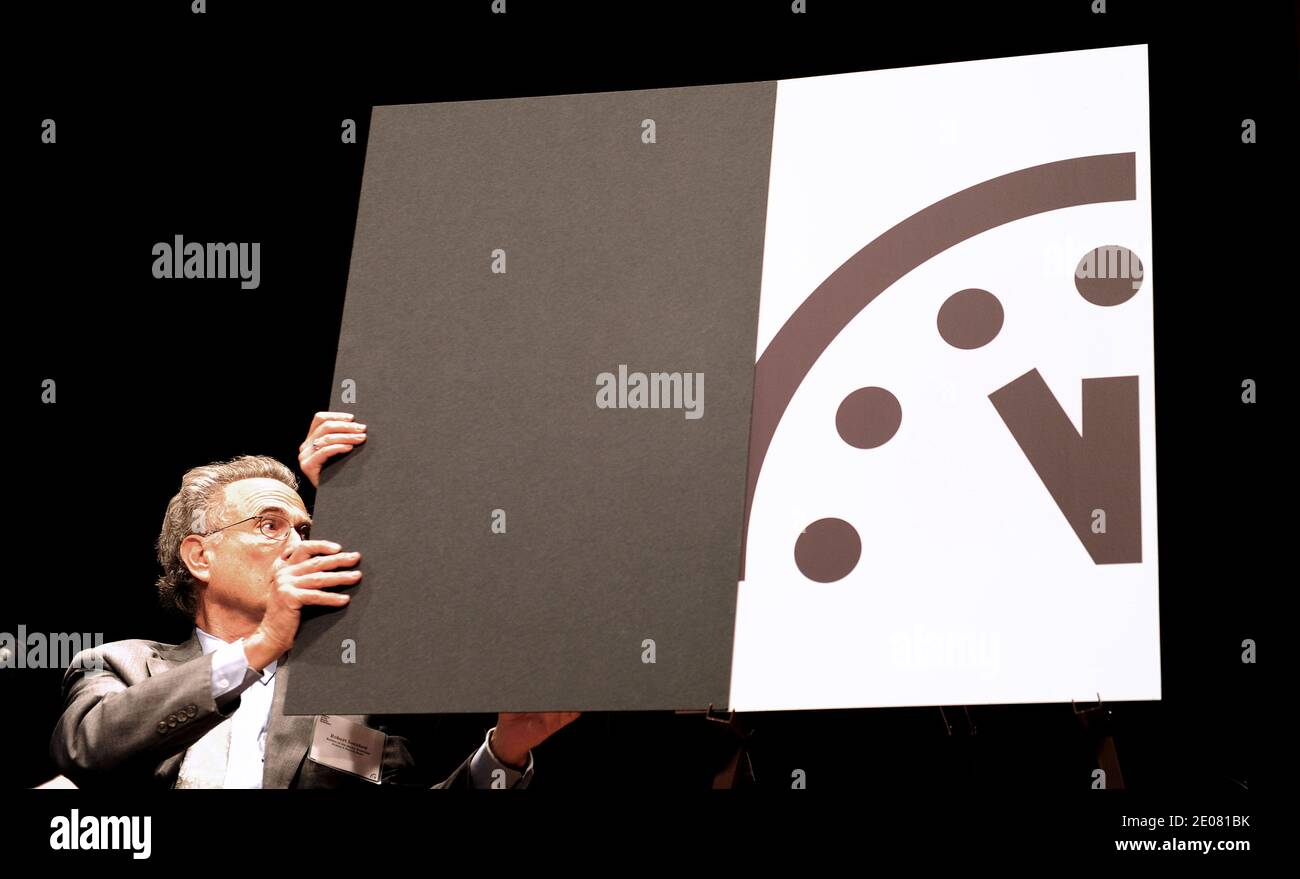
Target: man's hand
{"x":330,"y":434}
{"x":302,"y":574}
{"x":517,"y":733}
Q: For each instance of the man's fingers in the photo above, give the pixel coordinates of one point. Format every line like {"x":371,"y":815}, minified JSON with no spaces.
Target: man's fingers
{"x":327,"y":427}
{"x":308,"y":548}
{"x":326,"y":580}
{"x":323,"y":425}
{"x":329,"y":562}
{"x":327,"y":416}
{"x":303,"y":597}
{"x":330,"y":439}
{"x":318,"y":458}
{"x":320,"y":418}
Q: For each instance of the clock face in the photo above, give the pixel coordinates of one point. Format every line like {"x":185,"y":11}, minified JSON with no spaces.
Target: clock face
{"x":952,"y":462}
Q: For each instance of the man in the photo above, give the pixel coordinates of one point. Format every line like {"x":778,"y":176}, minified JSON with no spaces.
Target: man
{"x":208,"y":713}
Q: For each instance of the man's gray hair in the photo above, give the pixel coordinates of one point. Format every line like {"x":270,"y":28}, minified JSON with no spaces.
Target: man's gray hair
{"x":193,"y":511}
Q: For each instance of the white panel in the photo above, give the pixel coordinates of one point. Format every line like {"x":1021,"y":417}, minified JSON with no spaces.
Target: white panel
{"x":972,"y":588}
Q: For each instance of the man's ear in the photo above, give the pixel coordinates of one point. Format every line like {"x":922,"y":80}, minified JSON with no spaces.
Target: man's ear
{"x":195,"y":556}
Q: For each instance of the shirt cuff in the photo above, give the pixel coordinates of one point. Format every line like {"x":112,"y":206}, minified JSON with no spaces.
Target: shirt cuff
{"x":231,"y":674}
{"x":485,"y":768}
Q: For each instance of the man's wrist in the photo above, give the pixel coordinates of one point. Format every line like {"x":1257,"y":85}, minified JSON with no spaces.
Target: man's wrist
{"x":258,"y":652}
{"x":505,"y":756}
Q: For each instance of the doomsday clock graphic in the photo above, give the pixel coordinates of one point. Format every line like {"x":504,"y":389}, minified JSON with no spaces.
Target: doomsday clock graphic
{"x":951,"y":476}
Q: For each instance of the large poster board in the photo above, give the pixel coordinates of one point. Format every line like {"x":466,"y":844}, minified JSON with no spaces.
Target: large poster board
{"x":921,"y":301}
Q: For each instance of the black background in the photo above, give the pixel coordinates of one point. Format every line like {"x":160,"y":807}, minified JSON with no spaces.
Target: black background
{"x":225,"y":127}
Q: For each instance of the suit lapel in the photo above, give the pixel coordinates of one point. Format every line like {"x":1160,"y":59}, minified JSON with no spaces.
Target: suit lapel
{"x":288,"y":737}
{"x":177,"y":654}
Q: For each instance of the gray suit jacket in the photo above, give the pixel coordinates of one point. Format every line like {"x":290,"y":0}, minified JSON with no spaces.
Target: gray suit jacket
{"x":132,"y":708}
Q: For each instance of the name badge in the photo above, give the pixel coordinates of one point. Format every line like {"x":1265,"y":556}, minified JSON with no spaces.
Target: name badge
{"x":347,"y":746}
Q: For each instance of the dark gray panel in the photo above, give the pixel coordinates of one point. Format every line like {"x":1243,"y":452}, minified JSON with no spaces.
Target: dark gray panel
{"x":479,"y":392}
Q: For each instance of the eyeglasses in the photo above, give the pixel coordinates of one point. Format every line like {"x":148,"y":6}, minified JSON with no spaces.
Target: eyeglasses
{"x":273,"y":526}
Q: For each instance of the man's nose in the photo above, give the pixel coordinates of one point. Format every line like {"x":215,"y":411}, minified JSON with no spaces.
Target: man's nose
{"x":291,"y":542}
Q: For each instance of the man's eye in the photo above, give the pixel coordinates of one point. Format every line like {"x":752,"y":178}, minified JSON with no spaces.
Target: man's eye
{"x":304,"y":531}
{"x":273,"y":527}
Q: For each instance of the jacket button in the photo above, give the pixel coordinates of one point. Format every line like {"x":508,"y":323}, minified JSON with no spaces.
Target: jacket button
{"x":191,"y":710}
{"x":171,"y":720}
{"x":182,"y":717}
{"x":162,"y":727}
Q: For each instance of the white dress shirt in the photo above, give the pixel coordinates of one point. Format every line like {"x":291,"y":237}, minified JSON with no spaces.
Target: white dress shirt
{"x":233,"y":678}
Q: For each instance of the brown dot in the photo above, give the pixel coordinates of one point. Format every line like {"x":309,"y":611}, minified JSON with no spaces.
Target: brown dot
{"x":970,"y":318}
{"x":1108,"y":275}
{"x":827,"y":550}
{"x":868,"y":417}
